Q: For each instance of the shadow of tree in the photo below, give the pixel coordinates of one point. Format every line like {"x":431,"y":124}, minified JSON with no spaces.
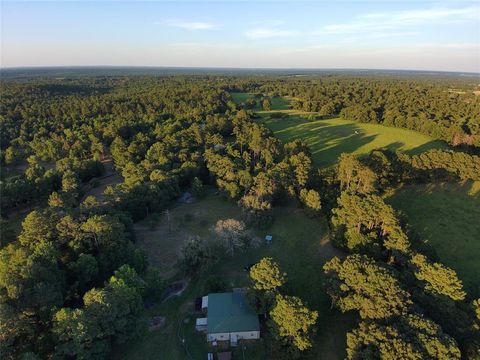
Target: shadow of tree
{"x":434,"y":144}
{"x":333,"y":140}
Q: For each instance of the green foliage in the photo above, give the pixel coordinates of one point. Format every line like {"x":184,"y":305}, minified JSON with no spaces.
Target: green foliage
{"x":408,"y":337}
{"x":293,"y":321}
{"x":196,"y":254}
{"x":197,"y":188}
{"x":311,"y":200}
{"x":354,"y":176}
{"x":359,"y":283}
{"x":368,"y":220}
{"x":108,"y":313}
{"x":267,"y":276}
{"x":267,"y":104}
{"x":438,"y":278}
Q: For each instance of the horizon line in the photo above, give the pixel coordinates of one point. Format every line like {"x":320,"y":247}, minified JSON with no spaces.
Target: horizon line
{"x":39,"y":67}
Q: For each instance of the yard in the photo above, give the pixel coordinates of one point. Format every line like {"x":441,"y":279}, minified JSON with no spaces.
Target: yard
{"x":447,"y":217}
{"x":300,"y":245}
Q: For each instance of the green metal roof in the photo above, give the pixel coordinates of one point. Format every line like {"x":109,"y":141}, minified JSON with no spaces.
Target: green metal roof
{"x":230,"y":312}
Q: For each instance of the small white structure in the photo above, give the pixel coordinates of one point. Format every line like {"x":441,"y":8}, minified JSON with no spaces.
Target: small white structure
{"x":204,"y":302}
{"x":201,"y":324}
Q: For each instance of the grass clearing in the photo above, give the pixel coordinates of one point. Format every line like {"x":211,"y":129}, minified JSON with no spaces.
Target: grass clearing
{"x":300,"y":245}
{"x":328,"y":138}
{"x":447,"y":216}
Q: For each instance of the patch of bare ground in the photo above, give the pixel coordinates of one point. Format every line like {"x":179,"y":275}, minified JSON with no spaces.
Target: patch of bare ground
{"x":162,"y":243}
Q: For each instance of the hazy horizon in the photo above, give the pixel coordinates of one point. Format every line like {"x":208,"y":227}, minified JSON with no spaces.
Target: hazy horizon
{"x":411,"y":35}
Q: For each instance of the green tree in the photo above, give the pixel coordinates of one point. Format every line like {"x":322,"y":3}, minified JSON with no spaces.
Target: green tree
{"x":407,"y":337}
{"x":311,"y":200}
{"x":267,"y":104}
{"x":354,"y":176}
{"x":359,"y":283}
{"x":197,"y":188}
{"x":196,"y":254}
{"x":438,"y":278}
{"x":293,"y":321}
{"x":266,"y":275}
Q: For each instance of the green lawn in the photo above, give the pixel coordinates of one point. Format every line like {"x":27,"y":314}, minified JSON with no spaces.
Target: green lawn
{"x":300,"y":245}
{"x":328,"y":138}
{"x":447,"y":216}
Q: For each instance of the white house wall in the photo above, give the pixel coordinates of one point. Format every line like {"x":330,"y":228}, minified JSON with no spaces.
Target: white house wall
{"x":240,"y":335}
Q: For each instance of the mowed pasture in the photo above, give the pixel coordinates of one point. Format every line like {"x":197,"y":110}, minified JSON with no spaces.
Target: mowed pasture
{"x":300,"y":245}
{"x":446,"y":216}
{"x":328,"y":138}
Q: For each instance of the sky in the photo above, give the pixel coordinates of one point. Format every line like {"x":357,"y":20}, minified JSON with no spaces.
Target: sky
{"x":413,"y":35}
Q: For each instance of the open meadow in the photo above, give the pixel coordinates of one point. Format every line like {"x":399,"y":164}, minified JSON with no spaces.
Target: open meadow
{"x":446,"y":216}
{"x":300,"y":245}
{"x":328,"y":138}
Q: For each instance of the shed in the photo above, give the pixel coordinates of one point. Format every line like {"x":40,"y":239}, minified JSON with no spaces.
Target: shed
{"x":205,"y":302}
{"x":201,"y":324}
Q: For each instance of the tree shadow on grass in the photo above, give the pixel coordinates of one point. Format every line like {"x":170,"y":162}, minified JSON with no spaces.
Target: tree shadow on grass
{"x":433,"y":144}
{"x":325,"y":140}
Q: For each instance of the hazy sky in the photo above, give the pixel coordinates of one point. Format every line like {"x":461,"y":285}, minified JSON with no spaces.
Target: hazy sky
{"x":315,"y":34}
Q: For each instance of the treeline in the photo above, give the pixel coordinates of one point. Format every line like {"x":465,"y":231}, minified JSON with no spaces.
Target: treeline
{"x":410,"y":304}
{"x":72,"y":284}
{"x":445,"y":109}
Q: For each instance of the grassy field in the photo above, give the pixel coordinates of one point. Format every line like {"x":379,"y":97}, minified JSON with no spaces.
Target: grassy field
{"x":300,"y":245}
{"x":447,"y":217}
{"x":328,"y":138}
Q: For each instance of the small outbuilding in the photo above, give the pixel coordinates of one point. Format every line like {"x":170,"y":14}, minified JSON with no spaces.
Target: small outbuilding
{"x":201,"y":324}
{"x":204,"y":303}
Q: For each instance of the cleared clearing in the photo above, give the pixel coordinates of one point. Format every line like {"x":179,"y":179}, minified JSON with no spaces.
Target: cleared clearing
{"x":328,"y":138}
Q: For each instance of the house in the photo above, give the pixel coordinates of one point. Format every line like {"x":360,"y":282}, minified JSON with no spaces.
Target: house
{"x":231,"y":318}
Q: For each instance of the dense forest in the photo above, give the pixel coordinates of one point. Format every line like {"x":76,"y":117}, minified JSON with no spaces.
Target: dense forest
{"x":73,"y":283}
